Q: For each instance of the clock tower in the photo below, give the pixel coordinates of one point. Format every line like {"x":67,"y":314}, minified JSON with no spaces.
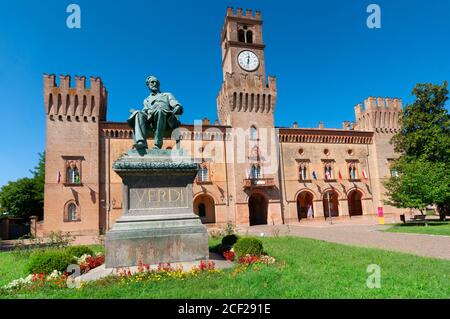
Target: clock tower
{"x":246,"y":96}
{"x":246,"y":102}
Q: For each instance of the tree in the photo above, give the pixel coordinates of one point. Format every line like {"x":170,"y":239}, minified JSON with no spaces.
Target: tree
{"x":421,"y":183}
{"x":19,"y":198}
{"x":424,"y":144}
{"x":39,"y":178}
{"x":25,"y":197}
{"x":425,"y":125}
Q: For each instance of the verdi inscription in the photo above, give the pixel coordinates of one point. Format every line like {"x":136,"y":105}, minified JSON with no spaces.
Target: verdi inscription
{"x":156,"y":198}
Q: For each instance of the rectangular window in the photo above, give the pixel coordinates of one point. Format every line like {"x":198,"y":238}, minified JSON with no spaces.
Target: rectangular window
{"x":328,"y":170}
{"x":394,"y":173}
{"x":203,"y":174}
{"x":352,"y":166}
{"x":392,"y":170}
{"x":72,"y":169}
{"x":303,"y":170}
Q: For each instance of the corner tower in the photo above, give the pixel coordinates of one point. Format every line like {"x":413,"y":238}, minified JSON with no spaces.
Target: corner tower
{"x":381,"y":116}
{"x":246,"y":98}
{"x":72,"y":178}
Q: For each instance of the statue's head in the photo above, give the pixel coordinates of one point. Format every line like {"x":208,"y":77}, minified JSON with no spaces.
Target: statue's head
{"x":152,"y":83}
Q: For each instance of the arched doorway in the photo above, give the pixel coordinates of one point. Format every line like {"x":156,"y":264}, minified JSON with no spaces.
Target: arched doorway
{"x":204,"y":207}
{"x":304,"y":204}
{"x":331,"y":203}
{"x":354,"y":203}
{"x":257,"y":207}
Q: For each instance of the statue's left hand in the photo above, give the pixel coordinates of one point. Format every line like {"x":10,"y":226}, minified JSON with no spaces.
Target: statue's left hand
{"x":177,"y":109}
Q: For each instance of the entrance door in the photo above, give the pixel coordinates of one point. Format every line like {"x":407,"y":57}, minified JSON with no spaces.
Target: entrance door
{"x":257,"y":207}
{"x":354,"y":203}
{"x":304,"y":204}
{"x":331,"y":205}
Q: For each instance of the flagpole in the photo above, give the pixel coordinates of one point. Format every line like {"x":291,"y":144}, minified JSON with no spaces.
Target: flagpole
{"x":329,"y":208}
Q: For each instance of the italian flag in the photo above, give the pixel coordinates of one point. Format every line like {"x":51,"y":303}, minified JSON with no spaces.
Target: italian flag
{"x":364,"y":174}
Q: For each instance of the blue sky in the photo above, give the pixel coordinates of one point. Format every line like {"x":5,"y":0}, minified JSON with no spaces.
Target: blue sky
{"x":325,"y":58}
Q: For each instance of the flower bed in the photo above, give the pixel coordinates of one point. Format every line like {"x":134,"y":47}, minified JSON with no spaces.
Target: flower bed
{"x":164,"y":271}
{"x":56,"y":279}
{"x":255,"y":263}
{"x":37,"y":281}
{"x":88,"y":262}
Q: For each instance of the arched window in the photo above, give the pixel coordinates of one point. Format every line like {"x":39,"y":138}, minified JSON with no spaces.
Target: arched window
{"x":71,"y":213}
{"x":249,"y":36}
{"x":241,"y":36}
{"x":253,"y":133}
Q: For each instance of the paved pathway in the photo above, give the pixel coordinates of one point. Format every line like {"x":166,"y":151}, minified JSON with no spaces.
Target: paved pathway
{"x":362,"y":235}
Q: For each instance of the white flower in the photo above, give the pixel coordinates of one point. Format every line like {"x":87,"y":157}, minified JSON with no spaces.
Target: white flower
{"x":54,"y":275}
{"x":19,"y":282}
{"x":82,"y":259}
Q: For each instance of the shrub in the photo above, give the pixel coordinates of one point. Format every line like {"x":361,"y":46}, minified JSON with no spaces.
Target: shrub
{"x":79,"y":251}
{"x":229,"y":229}
{"x":248,"y":245}
{"x":230,"y":240}
{"x":45,"y":262}
{"x":59,"y":239}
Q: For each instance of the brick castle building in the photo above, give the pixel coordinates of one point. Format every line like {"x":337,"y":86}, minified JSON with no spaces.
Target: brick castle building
{"x":302,"y":173}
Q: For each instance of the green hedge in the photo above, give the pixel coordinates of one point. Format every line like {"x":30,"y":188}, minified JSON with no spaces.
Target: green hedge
{"x":79,"y":251}
{"x":248,"y":245}
{"x":49,"y":260}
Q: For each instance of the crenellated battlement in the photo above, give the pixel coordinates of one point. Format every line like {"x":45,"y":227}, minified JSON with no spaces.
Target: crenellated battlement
{"x":242,"y":92}
{"x":64,"y":101}
{"x":378,"y":114}
{"x":250,"y":82}
{"x":239,"y":13}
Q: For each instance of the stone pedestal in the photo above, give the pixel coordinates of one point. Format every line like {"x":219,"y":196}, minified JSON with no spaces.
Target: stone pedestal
{"x":158,"y":224}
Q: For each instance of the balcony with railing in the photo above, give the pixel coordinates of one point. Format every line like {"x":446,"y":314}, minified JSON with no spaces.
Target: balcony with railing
{"x":259,"y":183}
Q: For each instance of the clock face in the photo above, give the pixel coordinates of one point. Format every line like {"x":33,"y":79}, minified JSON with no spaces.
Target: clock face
{"x":248,"y":60}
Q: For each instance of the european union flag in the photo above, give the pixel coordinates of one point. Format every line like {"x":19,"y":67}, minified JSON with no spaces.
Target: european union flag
{"x":314,"y":175}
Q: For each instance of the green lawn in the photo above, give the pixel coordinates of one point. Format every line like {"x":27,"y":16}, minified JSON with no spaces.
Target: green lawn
{"x":433,"y":228}
{"x":315,"y":269}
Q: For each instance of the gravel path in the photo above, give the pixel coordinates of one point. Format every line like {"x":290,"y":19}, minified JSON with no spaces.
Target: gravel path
{"x":363,"y":235}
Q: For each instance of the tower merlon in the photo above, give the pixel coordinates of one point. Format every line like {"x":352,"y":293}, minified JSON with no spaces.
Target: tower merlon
{"x":358,"y":109}
{"x":398,"y":103}
{"x":96,"y":84}
{"x":80,"y":82}
{"x":381,"y":102}
{"x":64,"y":81}
{"x":49,"y":80}
{"x":239,"y":13}
{"x":370,"y":103}
{"x":272,"y":83}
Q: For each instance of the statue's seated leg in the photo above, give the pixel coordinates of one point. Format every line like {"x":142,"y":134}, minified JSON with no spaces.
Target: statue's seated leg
{"x":159,"y":120}
{"x":140,"y":131}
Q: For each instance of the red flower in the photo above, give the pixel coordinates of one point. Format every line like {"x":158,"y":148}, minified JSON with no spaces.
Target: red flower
{"x":229,"y":255}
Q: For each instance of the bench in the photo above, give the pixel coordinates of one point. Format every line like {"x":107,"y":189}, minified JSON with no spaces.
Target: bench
{"x":416,"y":219}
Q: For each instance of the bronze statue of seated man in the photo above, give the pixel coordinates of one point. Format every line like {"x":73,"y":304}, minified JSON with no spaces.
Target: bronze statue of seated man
{"x":160,"y":113}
